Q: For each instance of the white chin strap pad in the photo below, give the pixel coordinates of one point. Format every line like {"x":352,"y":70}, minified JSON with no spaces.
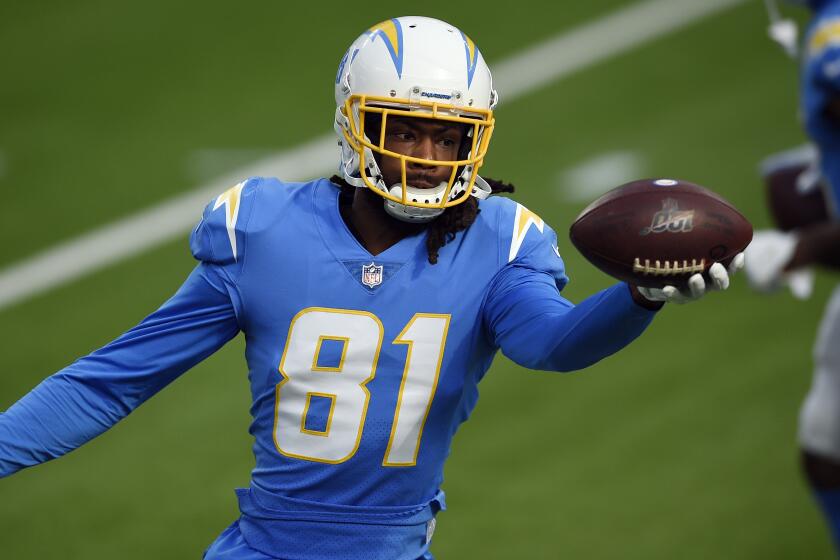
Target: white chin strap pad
{"x":415,"y":214}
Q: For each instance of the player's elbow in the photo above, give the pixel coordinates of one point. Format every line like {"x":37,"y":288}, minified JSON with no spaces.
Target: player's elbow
{"x":551,"y":361}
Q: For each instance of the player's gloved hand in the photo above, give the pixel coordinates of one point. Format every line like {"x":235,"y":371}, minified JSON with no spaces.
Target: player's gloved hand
{"x":767,"y":256}
{"x":697,"y":288}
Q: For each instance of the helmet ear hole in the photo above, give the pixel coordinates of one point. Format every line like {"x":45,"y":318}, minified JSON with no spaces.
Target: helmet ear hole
{"x":373,"y":127}
{"x":466,"y":143}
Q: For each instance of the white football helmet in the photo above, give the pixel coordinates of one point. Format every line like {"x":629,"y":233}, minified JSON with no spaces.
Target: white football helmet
{"x":414,"y":67}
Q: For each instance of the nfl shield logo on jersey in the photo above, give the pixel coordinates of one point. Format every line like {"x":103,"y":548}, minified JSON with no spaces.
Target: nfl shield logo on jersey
{"x":371,"y":275}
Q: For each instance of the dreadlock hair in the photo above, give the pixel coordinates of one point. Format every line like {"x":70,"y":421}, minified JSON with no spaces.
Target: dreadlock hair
{"x":456,"y":218}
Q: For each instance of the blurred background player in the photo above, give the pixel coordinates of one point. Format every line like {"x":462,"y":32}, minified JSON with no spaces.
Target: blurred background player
{"x":372,"y":304}
{"x":803,"y":187}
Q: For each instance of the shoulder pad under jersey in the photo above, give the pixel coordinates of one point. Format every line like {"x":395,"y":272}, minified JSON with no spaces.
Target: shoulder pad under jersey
{"x":219,"y":237}
{"x":525,"y":239}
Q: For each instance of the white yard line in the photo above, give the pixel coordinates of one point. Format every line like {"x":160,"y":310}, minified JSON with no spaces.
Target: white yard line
{"x":589,"y":179}
{"x":587,"y":45}
{"x":515,"y":76}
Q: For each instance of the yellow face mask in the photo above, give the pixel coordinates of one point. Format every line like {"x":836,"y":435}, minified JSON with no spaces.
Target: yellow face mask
{"x":479,"y":128}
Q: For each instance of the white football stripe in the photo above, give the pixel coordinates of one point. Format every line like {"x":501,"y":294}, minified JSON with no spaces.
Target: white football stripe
{"x":515,"y":76}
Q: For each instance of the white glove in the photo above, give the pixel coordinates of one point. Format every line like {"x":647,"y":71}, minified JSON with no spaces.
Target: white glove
{"x":767,"y":256}
{"x":718,"y":274}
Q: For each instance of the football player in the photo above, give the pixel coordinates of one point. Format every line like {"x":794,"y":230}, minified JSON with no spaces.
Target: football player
{"x":372,"y":304}
{"x":810,"y":236}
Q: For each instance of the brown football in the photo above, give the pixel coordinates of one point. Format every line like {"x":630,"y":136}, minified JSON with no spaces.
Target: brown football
{"x":656,"y":232}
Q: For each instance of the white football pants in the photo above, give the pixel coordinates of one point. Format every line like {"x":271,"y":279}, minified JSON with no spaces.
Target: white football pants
{"x":819,"y":417}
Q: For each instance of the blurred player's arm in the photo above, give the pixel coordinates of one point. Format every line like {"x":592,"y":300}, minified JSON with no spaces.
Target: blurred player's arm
{"x":95,"y":392}
{"x":776,"y":258}
{"x":818,"y":244}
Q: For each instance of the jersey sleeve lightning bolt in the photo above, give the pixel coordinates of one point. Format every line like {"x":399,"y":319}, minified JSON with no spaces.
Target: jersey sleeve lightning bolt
{"x":361,"y":366}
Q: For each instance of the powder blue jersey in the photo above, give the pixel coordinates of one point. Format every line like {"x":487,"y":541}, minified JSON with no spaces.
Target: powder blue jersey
{"x":361,"y":367}
{"x":820,"y":85}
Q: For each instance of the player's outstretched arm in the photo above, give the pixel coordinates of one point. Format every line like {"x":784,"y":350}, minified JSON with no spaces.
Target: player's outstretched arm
{"x":95,"y":392}
{"x":818,"y":244}
{"x":536,"y":327}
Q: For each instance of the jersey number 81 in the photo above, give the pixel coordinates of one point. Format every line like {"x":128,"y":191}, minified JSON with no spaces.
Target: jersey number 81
{"x":344,"y":385}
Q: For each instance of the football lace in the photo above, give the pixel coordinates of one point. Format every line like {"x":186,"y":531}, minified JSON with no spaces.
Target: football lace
{"x":668,"y":268}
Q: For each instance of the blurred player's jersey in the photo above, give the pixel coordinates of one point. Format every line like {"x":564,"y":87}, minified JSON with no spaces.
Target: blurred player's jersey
{"x":820,"y":84}
{"x":361,"y":367}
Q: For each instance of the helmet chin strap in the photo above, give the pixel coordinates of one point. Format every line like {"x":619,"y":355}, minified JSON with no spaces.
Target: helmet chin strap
{"x":414,"y":214}
{"x":418,"y":215}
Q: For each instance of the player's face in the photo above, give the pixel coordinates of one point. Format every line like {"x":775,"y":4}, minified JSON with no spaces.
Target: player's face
{"x":421,"y":138}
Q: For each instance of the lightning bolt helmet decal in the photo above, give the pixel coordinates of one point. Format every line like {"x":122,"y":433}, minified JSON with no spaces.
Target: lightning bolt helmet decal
{"x":391,"y":34}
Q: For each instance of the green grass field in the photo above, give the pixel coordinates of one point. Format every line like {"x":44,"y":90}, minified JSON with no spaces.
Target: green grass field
{"x":681,"y":446}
